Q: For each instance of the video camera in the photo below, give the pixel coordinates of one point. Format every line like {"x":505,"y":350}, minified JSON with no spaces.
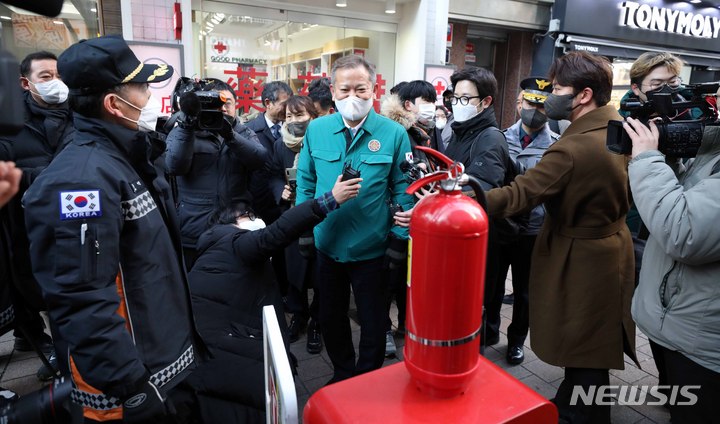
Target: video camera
{"x":677,"y":138}
{"x":210,"y":117}
{"x":51,"y":404}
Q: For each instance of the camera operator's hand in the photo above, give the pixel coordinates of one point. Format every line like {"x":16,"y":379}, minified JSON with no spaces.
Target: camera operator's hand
{"x":9,"y":181}
{"x":145,"y":406}
{"x":288,"y":194}
{"x":227,"y":128}
{"x":346,"y":190}
{"x":190,"y":107}
{"x":643,"y":138}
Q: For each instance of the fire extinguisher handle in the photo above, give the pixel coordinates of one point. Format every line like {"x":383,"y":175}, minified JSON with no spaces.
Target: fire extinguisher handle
{"x":428,"y":179}
{"x":441,"y":162}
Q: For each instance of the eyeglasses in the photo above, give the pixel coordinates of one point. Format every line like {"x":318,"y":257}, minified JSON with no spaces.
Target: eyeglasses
{"x":673,"y":82}
{"x":464,"y":100}
{"x":247,"y":214}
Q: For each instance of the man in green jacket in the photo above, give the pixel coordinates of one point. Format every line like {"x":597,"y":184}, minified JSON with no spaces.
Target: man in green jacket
{"x":358,"y":243}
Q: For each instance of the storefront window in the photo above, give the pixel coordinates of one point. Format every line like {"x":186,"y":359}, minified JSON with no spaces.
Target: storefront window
{"x":621,"y":80}
{"x":24,"y":32}
{"x":246,"y":51}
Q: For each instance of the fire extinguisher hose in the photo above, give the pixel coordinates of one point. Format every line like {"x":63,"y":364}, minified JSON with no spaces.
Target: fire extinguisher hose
{"x":474,"y":183}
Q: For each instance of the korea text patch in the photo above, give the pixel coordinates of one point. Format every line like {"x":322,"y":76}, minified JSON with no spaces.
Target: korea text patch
{"x":80,"y":204}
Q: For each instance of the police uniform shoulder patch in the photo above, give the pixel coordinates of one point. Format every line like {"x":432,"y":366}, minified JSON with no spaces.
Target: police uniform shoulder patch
{"x":80,"y":204}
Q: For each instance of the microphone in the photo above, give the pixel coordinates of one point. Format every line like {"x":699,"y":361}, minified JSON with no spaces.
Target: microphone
{"x":49,"y":8}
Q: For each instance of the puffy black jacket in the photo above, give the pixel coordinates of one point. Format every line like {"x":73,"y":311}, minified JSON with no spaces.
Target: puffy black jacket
{"x":232,"y":278}
{"x":106,"y":252}
{"x":45,"y":133}
{"x":231,"y":281}
{"x":211,"y":172}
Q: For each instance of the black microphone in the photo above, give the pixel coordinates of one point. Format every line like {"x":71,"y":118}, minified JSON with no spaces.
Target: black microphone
{"x":49,"y":8}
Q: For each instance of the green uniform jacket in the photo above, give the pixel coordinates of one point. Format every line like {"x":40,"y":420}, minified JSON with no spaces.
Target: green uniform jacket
{"x":357,"y":231}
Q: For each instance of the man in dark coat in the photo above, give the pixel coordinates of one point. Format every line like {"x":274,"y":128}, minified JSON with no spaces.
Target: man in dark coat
{"x":481,"y":147}
{"x":267,"y":127}
{"x":211,"y":167}
{"x":231,"y":282}
{"x":48,"y":129}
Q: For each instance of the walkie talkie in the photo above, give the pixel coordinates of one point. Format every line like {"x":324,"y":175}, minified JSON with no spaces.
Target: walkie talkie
{"x":349,"y":173}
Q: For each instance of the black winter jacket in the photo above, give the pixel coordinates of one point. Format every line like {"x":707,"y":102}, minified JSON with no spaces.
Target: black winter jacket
{"x":211,"y":172}
{"x":232,"y":278}
{"x":45,"y":133}
{"x":481,"y":147}
{"x":106,"y":252}
{"x":231,"y":281}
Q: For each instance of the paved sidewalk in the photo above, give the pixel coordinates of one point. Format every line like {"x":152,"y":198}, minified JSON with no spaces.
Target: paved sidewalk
{"x":315,"y":370}
{"x":18,"y":371}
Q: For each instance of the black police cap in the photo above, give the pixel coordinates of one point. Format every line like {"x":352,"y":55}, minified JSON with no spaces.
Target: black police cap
{"x":95,"y":65}
{"x":535,"y":89}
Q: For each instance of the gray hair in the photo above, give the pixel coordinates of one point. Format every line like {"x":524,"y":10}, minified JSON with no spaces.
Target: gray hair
{"x":352,"y":62}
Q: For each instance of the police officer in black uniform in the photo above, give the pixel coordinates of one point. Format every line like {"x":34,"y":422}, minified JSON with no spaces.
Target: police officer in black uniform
{"x":105,"y":246}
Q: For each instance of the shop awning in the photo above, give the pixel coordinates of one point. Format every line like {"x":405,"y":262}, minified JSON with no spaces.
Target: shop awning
{"x":632,"y":51}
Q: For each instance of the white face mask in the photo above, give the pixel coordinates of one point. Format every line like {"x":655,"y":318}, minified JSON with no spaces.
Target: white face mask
{"x":353,"y":108}
{"x":464,"y":113}
{"x":251,"y":224}
{"x":148,"y":115}
{"x":426,"y":111}
{"x":52,"y":92}
{"x":440,"y":123}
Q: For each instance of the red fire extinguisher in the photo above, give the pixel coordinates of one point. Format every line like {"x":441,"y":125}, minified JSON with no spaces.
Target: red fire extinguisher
{"x":448,"y":248}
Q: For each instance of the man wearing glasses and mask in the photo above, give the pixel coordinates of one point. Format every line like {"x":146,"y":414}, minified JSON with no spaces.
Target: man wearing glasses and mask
{"x":657,"y":72}
{"x":480,"y":146}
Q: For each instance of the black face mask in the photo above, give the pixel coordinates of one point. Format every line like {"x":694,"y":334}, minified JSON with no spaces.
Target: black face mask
{"x":666,"y":89}
{"x":297,"y":129}
{"x":559,"y":107}
{"x":448,"y":104}
{"x":533,"y":118}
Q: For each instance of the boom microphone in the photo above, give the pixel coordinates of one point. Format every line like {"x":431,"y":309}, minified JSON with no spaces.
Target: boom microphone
{"x":49,"y":8}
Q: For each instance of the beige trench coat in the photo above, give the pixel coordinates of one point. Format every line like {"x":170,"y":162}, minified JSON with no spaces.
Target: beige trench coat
{"x":582,"y":273}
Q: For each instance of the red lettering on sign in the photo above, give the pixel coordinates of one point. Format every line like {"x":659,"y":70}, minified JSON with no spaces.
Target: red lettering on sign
{"x":248,"y":88}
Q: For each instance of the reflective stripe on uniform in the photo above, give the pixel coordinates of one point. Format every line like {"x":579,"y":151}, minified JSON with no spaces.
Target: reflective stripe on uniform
{"x":103,"y":402}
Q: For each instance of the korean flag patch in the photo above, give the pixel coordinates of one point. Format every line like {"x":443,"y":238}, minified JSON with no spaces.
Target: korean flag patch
{"x":80,"y":204}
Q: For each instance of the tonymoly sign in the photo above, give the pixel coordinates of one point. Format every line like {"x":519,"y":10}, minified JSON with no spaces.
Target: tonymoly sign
{"x":663,"y":19}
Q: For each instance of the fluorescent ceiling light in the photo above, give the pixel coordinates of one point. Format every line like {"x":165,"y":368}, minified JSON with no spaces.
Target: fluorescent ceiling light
{"x":390,"y":6}
{"x":341,"y":3}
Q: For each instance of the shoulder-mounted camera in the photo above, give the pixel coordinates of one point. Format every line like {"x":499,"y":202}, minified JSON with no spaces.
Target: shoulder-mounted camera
{"x":678,"y":138}
{"x":210,"y":117}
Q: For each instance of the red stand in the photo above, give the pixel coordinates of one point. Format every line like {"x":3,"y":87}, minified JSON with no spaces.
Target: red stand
{"x":389,"y":395}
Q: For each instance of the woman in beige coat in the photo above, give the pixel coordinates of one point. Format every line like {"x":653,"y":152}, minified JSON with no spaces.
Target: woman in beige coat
{"x":582,"y":275}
